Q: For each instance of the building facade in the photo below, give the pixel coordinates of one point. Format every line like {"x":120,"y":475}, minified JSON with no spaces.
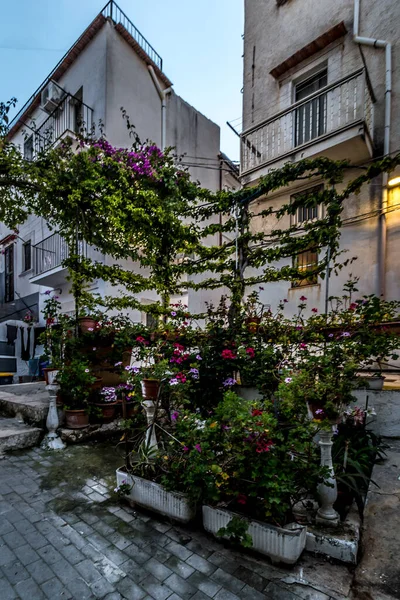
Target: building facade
{"x":110,"y":66}
{"x":321,"y":79}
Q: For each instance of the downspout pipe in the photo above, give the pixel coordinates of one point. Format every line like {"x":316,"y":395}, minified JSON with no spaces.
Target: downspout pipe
{"x":163,"y":95}
{"x":382,"y":233}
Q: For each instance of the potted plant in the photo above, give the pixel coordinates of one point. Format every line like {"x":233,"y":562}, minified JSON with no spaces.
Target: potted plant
{"x":247,"y":472}
{"x":106,"y":403}
{"x":75,"y":380}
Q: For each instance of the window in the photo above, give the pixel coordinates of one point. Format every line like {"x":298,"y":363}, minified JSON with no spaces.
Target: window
{"x":9,"y":274}
{"x":28,"y":148}
{"x":304,"y":262}
{"x":78,"y":112}
{"x":151,"y":321}
{"x":308,"y":211}
{"x":310,"y":117}
{"x":27,"y":256}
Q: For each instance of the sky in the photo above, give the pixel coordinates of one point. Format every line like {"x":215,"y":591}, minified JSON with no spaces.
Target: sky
{"x":200,"y":43}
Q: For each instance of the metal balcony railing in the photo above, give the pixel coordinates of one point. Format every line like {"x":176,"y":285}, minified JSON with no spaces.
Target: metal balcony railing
{"x":71,"y":115}
{"x":50,"y":253}
{"x":332,"y":109}
{"x":113,"y":11}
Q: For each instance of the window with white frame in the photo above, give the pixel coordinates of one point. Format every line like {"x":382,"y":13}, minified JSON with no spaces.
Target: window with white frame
{"x":307,"y":261}
{"x":310,"y":116}
{"x":28,"y":148}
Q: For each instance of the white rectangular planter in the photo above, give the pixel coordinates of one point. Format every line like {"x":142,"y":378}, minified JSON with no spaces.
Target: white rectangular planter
{"x":153,"y":496}
{"x":280,"y":544}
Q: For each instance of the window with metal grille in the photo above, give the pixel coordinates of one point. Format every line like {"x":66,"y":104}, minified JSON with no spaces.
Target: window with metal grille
{"x":304,"y":262}
{"x":27,"y":256}
{"x":9,"y":274}
{"x":28,"y":148}
{"x":308,"y":211}
{"x":310,"y":117}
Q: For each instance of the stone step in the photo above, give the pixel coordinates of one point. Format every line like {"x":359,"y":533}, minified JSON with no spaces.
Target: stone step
{"x":15,"y":435}
{"x":27,"y":401}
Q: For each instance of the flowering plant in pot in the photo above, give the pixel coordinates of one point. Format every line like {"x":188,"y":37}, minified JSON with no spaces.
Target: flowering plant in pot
{"x":105,"y":404}
{"x":75,"y":380}
{"x":240,"y":463}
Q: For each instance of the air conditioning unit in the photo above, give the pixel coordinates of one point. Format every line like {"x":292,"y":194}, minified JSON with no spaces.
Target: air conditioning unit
{"x":51,"y":97}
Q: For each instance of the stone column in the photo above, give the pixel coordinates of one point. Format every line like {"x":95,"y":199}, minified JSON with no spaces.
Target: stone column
{"x":326,"y":514}
{"x":52,"y":441}
{"x":151,"y":439}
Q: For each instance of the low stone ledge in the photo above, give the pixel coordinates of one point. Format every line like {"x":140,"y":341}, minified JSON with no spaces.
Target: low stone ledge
{"x":340,"y":543}
{"x":92,"y":432}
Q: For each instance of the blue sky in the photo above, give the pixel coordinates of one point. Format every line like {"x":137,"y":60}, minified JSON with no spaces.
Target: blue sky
{"x":200,"y":43}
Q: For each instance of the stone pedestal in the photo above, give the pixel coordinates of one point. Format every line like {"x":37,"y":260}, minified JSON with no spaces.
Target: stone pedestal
{"x":151,"y":439}
{"x":51,"y":440}
{"x":326,"y":514}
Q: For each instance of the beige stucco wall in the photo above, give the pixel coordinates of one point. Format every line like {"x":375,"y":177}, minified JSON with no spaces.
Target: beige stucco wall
{"x":272,"y":35}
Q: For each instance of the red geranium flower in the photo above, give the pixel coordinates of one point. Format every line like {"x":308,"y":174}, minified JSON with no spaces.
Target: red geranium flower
{"x":228,"y":354}
{"x":256,"y":412}
{"x":242,"y":499}
{"x":250,"y":352}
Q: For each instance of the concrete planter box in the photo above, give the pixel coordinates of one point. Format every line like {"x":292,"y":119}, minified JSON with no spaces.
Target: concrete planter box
{"x":153,"y":496}
{"x":279,"y":544}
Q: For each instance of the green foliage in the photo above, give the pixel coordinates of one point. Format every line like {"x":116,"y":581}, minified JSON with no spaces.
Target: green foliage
{"x":236,"y":532}
{"x":75,"y":379}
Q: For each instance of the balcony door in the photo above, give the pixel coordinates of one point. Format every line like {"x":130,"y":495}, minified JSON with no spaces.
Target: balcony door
{"x":9,"y":273}
{"x":310,"y":117}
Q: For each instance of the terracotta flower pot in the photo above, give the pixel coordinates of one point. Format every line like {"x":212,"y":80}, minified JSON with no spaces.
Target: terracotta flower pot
{"x":107,"y":411}
{"x":150,"y":389}
{"x":97,"y":385}
{"x":253,"y":323}
{"x":86,"y":323}
{"x":76,"y":419}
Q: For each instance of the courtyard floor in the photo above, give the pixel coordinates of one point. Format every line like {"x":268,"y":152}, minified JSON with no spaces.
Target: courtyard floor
{"x":64,"y":535}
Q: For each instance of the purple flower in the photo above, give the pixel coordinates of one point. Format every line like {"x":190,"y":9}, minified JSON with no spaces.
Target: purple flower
{"x":198,"y":357}
{"x":229,"y":382}
{"x":90,"y":328}
{"x":185,"y":449}
{"x":94,"y":349}
{"x":174,"y":415}
{"x":87,"y":371}
{"x":288,"y":380}
{"x":198,"y":447}
{"x":48,"y":292}
{"x":319,"y":411}
{"x":346,"y":334}
{"x":330,"y":335}
{"x":173,"y":381}
{"x":194,"y":373}
{"x":118,"y":364}
{"x":173,"y":314}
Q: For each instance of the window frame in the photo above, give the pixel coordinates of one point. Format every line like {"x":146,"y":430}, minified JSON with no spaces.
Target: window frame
{"x":25,"y":245}
{"x":31,"y":141}
{"x":308,"y":280}
{"x":9,"y":274}
{"x":320,"y":209}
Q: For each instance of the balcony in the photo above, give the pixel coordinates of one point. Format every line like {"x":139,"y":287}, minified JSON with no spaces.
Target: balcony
{"x":48,"y":257}
{"x":336,"y":121}
{"x":69,"y":118}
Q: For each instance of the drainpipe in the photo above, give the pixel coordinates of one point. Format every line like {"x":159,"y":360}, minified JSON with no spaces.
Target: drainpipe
{"x":163,"y":94}
{"x":386,"y":145}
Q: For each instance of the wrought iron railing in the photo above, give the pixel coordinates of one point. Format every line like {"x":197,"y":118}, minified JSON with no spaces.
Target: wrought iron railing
{"x":71,"y":115}
{"x":336,"y":107}
{"x":51,"y":252}
{"x":113,"y":11}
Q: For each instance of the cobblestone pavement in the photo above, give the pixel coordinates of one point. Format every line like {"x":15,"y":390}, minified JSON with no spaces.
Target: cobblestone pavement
{"x":63,"y":535}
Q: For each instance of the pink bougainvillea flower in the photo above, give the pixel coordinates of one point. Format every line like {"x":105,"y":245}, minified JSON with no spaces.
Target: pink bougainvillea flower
{"x":314,"y":310}
{"x":285,"y":300}
{"x":242,"y":499}
{"x":303,"y":298}
{"x":174,"y":415}
{"x":198,"y":447}
{"x":250,"y":352}
{"x":228,"y":354}
{"x":185,"y":449}
{"x":303,"y":346}
{"x":256,"y":412}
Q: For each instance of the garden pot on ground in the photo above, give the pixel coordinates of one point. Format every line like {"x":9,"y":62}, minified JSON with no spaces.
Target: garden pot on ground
{"x":150,"y":389}
{"x":107,"y":411}
{"x":50,"y":374}
{"x":153,"y":496}
{"x":76,"y":419}
{"x":281,"y":544}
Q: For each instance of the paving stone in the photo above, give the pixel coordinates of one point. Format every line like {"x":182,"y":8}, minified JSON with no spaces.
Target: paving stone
{"x":16,"y":572}
{"x":182,"y":587}
{"x":138,"y":555}
{"x":101,"y":587}
{"x":88,"y":571}
{"x":156,"y":552}
{"x":227,"y":580}
{"x":72,"y":554}
{"x":134,"y":571}
{"x":157,"y":569}
{"x":53,"y":588}
{"x":226,"y":595}
{"x":7,"y":556}
{"x":252,"y":579}
{"x":157,"y":590}
{"x":178,"y":550}
{"x":26,"y":554}
{"x":200,"y":596}
{"x":103,"y":528}
{"x":14,"y":539}
{"x":115,"y":555}
{"x":36,"y":540}
{"x":249,"y":593}
{"x":6,"y":591}
{"x":130,"y":590}
{"x":201,"y":564}
{"x":204,"y":584}
{"x":40,"y":571}
{"x":28,"y":589}
{"x":98,"y":541}
{"x":179,"y":567}
{"x":5,"y":526}
{"x":49,"y":554}
{"x":198,"y":548}
{"x":220,"y":560}
{"x":113,"y":596}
